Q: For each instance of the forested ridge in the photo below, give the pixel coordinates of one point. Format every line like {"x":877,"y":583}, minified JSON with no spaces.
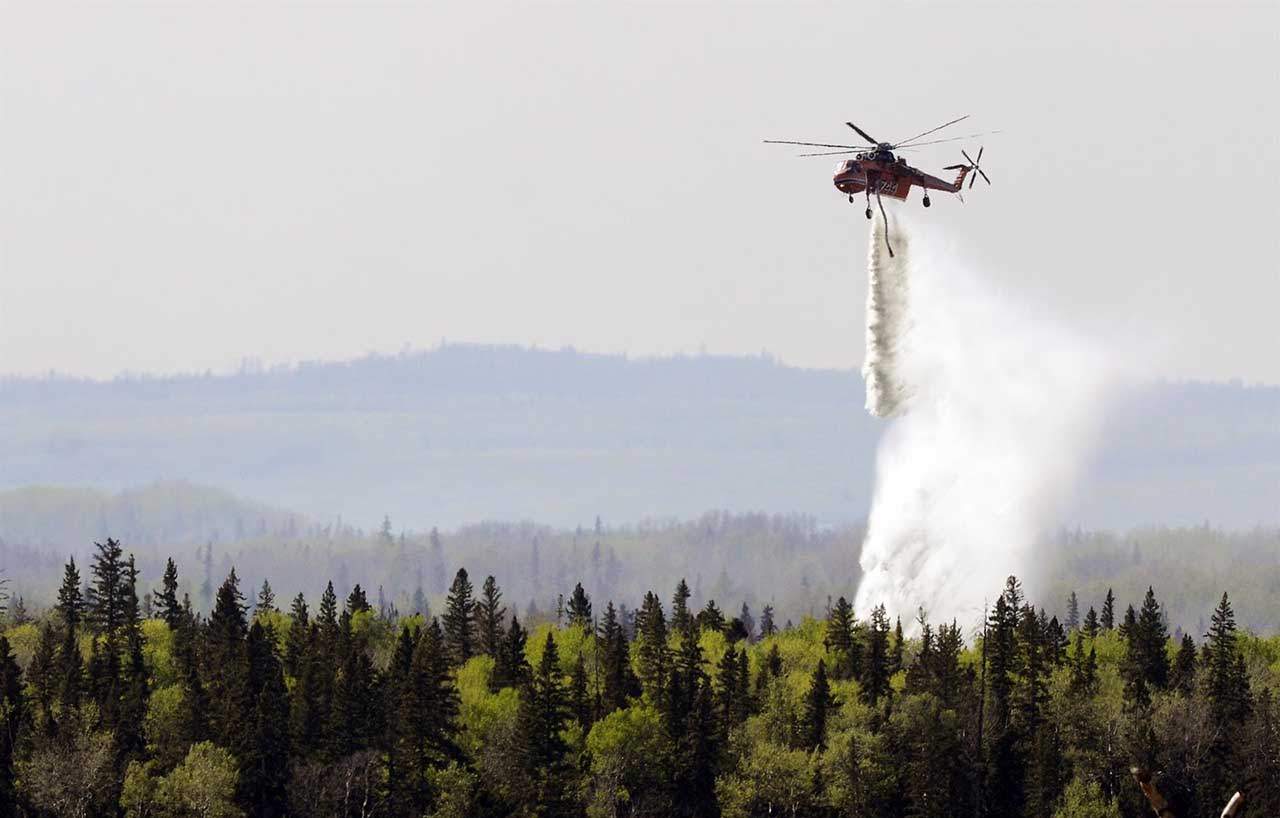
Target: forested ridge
{"x":465,"y":433}
{"x":121,"y":699}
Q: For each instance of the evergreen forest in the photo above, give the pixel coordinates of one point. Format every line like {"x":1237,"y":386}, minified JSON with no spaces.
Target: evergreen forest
{"x":123,"y":700}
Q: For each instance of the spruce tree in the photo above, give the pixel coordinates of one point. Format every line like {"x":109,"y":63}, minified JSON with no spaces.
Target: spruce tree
{"x":899,"y":642}
{"x":653,"y":646}
{"x":426,"y":723}
{"x":296,"y":638}
{"x":44,"y":678}
{"x":103,"y":602}
{"x":579,"y":608}
{"x":71,"y":612}
{"x":1152,"y":640}
{"x":619,"y":681}
{"x":767,"y":626}
{"x":818,"y":703}
{"x":490,"y":614}
{"x":876,"y":672}
{"x":1184,"y":665}
{"x":264,"y":759}
{"x":727,"y":691}
{"x":710,"y":618}
{"x":12,"y":718}
{"x":840,"y":638}
{"x":358,"y":600}
{"x":542,"y":716}
{"x":266,"y":599}
{"x":581,"y":706}
{"x":1073,"y":612}
{"x":680,"y":613}
{"x":459,"y":619}
{"x":227,"y":666}
{"x":1091,"y":624}
{"x":510,"y":667}
{"x":748,"y":622}
{"x":135,"y":687}
{"x":167,"y":596}
{"x":1109,"y":611}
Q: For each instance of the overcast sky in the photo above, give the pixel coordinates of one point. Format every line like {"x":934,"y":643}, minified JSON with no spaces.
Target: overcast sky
{"x":182,"y":187}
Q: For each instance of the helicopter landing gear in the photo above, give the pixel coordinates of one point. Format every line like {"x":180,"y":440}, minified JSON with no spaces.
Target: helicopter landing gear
{"x":868,"y":212}
{"x":926,"y":201}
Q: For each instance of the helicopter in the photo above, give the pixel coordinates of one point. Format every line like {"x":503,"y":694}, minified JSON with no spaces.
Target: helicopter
{"x":876,"y":169}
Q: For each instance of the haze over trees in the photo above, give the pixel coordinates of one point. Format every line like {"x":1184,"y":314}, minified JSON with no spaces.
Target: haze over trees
{"x":649,"y":706}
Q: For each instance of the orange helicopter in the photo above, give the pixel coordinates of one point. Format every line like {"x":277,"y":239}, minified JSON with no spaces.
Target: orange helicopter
{"x":875,"y":168}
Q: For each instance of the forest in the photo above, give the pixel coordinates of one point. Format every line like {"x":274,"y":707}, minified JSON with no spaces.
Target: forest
{"x":123,"y":700}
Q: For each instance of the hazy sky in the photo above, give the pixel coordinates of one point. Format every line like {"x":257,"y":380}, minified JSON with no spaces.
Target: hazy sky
{"x":185,"y":186}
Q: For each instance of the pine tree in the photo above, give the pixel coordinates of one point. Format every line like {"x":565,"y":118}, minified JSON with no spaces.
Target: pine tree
{"x":817,"y":705}
{"x":327,"y":617}
{"x":459,"y":619}
{"x":167,"y":597}
{"x":840,"y":639}
{"x":1109,"y":611}
{"x":579,"y":608}
{"x":1073,"y":612}
{"x":490,"y":614}
{"x":680,"y":606}
{"x":1226,"y":685}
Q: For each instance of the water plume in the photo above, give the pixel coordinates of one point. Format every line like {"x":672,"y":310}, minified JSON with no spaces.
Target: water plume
{"x":994,"y":410}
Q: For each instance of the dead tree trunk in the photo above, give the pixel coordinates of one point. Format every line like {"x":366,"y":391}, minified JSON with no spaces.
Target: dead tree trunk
{"x":1161,"y":805}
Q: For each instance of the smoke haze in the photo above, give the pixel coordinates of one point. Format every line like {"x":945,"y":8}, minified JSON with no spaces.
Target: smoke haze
{"x":996,"y":412}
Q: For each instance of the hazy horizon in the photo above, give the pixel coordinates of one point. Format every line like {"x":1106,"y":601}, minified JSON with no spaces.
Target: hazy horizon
{"x":191,"y":186}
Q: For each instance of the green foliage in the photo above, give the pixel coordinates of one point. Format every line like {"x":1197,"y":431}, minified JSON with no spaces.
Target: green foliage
{"x":1084,"y":799}
{"x":626,"y":775}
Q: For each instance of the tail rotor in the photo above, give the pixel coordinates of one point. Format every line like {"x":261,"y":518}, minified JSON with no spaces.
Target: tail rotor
{"x":972,"y":167}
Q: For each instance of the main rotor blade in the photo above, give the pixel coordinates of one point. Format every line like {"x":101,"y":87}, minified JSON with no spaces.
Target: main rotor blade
{"x":831,"y":153}
{"x":813,"y":144}
{"x":864,"y":134}
{"x":948,"y":139}
{"x":931,"y":130}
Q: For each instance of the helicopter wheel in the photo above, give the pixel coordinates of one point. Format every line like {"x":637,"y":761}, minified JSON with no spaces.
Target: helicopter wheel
{"x":926,"y":202}
{"x":868,"y":212}
{"x":850,"y":198}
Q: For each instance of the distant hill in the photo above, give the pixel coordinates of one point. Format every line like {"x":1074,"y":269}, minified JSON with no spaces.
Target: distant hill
{"x":174,"y":513}
{"x":469,"y":433}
